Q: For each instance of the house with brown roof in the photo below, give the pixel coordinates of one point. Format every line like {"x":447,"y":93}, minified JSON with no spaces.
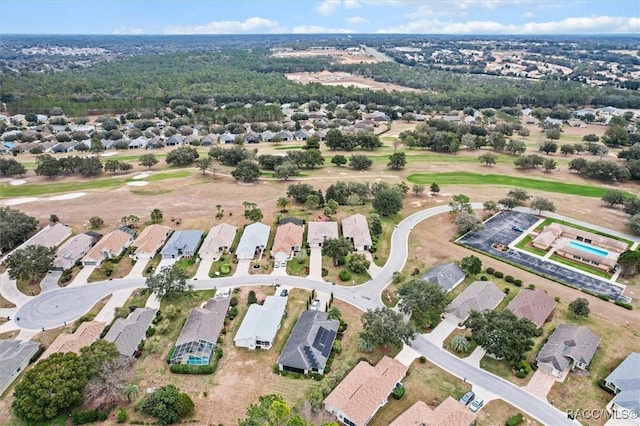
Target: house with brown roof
{"x":85,"y":335}
{"x":568,"y":347}
{"x":150,"y":240}
{"x":479,"y":296}
{"x":218,"y":241}
{"x":73,"y":250}
{"x":364,"y":391}
{"x":49,"y":236}
{"x":534,"y":305}
{"x":200,"y":332}
{"x":356,"y":229}
{"x":109,"y":247}
{"x":317,"y":232}
{"x":450,"y":412}
{"x":127,"y":333}
{"x":288,"y":241}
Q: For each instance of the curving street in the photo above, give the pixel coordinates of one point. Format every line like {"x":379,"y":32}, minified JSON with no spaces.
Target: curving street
{"x":53,"y":308}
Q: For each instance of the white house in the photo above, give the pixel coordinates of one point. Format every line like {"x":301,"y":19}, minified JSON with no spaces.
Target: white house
{"x":261,"y":323}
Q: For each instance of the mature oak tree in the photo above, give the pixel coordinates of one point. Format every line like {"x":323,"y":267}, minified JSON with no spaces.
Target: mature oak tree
{"x":30,"y":263}
{"x":15,"y":227}
{"x":384,"y":327}
{"x":170,"y":280}
{"x":422,"y":299}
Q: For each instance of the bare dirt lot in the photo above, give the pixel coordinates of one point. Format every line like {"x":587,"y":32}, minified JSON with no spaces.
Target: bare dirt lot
{"x":339,"y":56}
{"x":345,"y":79}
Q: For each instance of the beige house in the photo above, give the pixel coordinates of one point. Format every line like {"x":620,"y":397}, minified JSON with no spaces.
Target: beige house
{"x":317,"y":232}
{"x":568,"y":347}
{"x":218,"y":241}
{"x":356,"y":229}
{"x":85,"y":335}
{"x":73,"y":250}
{"x":534,"y":305}
{"x":364,"y":391}
{"x":288,"y":240}
{"x":150,"y":241}
{"x":479,"y":296}
{"x":49,"y":236}
{"x":110,"y":246}
{"x":449,"y":413}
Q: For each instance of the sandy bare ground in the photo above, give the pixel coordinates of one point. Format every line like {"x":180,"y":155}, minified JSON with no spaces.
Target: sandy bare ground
{"x":345,"y":79}
{"x":339,"y":56}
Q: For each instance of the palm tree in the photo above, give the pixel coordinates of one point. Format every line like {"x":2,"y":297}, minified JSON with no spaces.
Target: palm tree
{"x":131,"y":392}
{"x":283,"y":203}
{"x":459,"y":344}
{"x":334,"y":313}
{"x":156,"y":216}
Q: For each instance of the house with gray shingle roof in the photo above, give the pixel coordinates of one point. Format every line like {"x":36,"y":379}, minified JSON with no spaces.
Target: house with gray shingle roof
{"x":356,"y":229}
{"x":479,"y":296}
{"x":73,"y":250}
{"x":174,"y":140}
{"x":15,"y":356}
{"x":127,"y":333}
{"x":182,"y":244}
{"x":309,"y":344}
{"x":318,"y":232}
{"x":227,"y":137}
{"x":446,"y":275}
{"x":49,"y":236}
{"x":568,"y":347}
{"x":624,"y":381}
{"x":200,"y":332}
{"x":254,"y":239}
{"x":267,"y":136}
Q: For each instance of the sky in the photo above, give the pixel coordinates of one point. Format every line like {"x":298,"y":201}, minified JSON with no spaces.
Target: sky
{"x":323,"y":16}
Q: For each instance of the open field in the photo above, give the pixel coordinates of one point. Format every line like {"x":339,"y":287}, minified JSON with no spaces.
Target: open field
{"x":339,"y":56}
{"x":346,"y":80}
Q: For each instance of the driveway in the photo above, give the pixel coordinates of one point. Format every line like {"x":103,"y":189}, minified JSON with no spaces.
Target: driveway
{"x":138,"y":269}
{"x":9,"y":290}
{"x":204,"y":268}
{"x":498,"y":229}
{"x":82,"y":276}
{"x":242,"y":269}
{"x":50,"y":281}
{"x":442,"y":331}
{"x":164,"y":263}
{"x":118,"y":299}
{"x":315,"y":264}
{"x":541,"y":383}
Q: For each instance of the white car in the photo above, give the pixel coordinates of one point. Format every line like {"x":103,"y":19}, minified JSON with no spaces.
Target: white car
{"x":315,"y":305}
{"x":476,"y":404}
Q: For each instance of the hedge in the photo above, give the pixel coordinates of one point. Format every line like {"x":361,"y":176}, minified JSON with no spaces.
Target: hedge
{"x":91,"y":416}
{"x":515,"y":420}
{"x":192,"y":369}
{"x":603,"y":297}
{"x":624,"y":305}
{"x":498,"y":274}
{"x":490,"y":271}
{"x":170,"y":354}
{"x":517,"y":283}
{"x":398,"y":392}
{"x":509,"y":279}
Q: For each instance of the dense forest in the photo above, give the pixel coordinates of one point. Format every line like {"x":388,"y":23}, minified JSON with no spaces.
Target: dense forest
{"x":216,"y":78}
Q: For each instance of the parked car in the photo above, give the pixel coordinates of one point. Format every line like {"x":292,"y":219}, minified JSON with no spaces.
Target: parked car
{"x":284,"y":292}
{"x":476,"y":404}
{"x":517,"y":229}
{"x":315,"y":304}
{"x":467,"y":397}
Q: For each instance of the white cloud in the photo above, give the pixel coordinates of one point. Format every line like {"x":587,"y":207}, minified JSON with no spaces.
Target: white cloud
{"x":317,"y":29}
{"x":254,"y":25}
{"x":578,"y":25}
{"x":466,"y":6}
{"x":328,"y":7}
{"x":357,"y":20}
{"x":128,"y":30}
{"x":527,"y":15}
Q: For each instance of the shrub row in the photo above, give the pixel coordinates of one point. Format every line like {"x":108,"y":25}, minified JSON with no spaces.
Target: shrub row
{"x":515,"y":420}
{"x":90,"y":416}
{"x":624,"y":305}
{"x":192,"y":369}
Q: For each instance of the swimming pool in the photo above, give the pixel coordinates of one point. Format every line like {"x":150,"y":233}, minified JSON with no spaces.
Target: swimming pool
{"x":588,"y":248}
{"x":194,"y":360}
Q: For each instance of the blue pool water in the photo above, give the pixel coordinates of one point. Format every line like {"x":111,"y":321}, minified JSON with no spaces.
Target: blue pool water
{"x":588,"y":248}
{"x":193,"y":360}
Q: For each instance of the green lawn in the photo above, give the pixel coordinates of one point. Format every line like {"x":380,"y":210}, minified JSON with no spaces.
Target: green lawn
{"x":549,"y":221}
{"x":523,"y":245}
{"x":288,"y":147}
{"x":30,"y":189}
{"x":467,"y":178}
{"x":581,"y":266}
{"x":297,"y":268}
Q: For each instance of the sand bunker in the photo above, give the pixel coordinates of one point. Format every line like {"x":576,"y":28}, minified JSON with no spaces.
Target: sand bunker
{"x":140,"y":183}
{"x":141,"y":176}
{"x":16,"y":201}
{"x":16,"y":182}
{"x":67,"y":196}
{"x":109,"y":154}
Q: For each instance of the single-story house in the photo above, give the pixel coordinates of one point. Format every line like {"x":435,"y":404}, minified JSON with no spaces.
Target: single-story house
{"x":624,"y":381}
{"x":310,"y":342}
{"x":15,"y":356}
{"x":209,"y":139}
{"x":446,"y":275}
{"x":254,"y":240}
{"x":49,"y":236}
{"x":378,"y":116}
{"x":182,"y":244}
{"x":568,"y":347}
{"x":267,"y":136}
{"x":364,"y":391}
{"x":301,"y":135}
{"x":150,"y":240}
{"x":218,"y":241}
{"x":109,"y":247}
{"x":140,"y":142}
{"x":200,"y":332}
{"x":534,"y":305}
{"x":261,"y":323}
{"x":227,"y":137}
{"x":356,"y":229}
{"x":479,"y":296}
{"x":554,"y":122}
{"x":85,"y":335}
{"x":174,"y":140}
{"x":317,"y":232}
{"x":127,"y":333}
{"x":288,"y":240}
{"x":285,"y":135}
{"x":450,"y":412}
{"x":252,"y":137}
{"x":73,"y":250}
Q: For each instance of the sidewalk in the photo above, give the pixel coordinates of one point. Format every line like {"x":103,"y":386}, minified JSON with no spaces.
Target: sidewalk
{"x":9,"y":290}
{"x":407,"y":355}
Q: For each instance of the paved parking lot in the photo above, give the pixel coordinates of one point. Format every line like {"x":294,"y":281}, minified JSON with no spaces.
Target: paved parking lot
{"x":499,"y":229}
